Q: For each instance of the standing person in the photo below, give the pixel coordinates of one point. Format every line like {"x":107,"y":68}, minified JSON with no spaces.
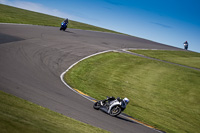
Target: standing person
{"x":185,"y":45}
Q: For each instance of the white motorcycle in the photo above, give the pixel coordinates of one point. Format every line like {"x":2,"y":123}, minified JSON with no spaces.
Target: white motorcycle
{"x":111,"y":105}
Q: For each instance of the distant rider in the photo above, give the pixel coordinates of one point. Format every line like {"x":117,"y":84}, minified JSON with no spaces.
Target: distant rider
{"x":185,"y":45}
{"x":65,"y":22}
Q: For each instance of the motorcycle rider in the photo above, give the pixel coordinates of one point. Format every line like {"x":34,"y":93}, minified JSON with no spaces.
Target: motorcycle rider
{"x":123,"y":102}
{"x":66,"y":21}
{"x":185,"y":45}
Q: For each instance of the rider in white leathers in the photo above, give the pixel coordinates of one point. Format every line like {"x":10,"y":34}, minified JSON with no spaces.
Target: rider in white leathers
{"x":123,"y":102}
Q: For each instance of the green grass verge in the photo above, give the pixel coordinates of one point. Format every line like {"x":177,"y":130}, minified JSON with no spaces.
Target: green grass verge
{"x":162,"y":95}
{"x":187,"y":58}
{"x":10,"y":14}
{"x":18,"y":116}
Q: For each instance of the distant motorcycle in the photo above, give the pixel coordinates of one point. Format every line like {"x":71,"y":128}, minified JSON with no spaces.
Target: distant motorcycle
{"x":63,"y":26}
{"x":111,"y":105}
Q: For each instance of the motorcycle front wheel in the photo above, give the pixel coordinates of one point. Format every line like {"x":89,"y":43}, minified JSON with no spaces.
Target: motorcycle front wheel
{"x":64,"y":29}
{"x":115,"y":111}
{"x":97,"y":105}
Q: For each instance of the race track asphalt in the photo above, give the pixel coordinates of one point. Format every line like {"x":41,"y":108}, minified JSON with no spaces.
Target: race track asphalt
{"x":33,"y":57}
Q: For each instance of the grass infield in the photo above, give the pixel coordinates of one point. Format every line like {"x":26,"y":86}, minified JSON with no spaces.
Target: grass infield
{"x":162,"y":95}
{"x":186,"y":58}
{"x":10,"y":14}
{"x":18,"y":116}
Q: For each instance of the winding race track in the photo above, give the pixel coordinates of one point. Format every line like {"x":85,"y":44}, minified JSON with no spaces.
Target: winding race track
{"x":33,"y":57}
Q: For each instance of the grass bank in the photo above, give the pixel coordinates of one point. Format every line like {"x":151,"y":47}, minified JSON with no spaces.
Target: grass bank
{"x":17,"y":115}
{"x":187,"y":58}
{"x":10,"y":14}
{"x":163,"y":95}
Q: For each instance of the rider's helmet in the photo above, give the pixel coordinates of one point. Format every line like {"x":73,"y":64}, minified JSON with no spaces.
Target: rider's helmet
{"x":126,"y":100}
{"x":66,"y":20}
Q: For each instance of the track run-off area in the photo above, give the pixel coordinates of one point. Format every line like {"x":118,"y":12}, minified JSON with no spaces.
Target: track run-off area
{"x":32,"y":58}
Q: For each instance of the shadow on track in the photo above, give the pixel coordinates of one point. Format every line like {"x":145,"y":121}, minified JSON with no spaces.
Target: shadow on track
{"x":69,"y":32}
{"x":125,"y":119}
{"x":121,"y":117}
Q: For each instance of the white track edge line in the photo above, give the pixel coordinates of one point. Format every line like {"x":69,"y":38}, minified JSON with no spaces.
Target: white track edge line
{"x":62,"y":75}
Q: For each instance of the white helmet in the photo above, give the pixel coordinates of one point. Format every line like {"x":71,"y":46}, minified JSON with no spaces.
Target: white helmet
{"x":126,"y":100}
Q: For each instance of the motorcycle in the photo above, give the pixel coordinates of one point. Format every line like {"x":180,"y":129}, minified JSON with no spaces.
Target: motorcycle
{"x":110,"y":105}
{"x":63,"y":26}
